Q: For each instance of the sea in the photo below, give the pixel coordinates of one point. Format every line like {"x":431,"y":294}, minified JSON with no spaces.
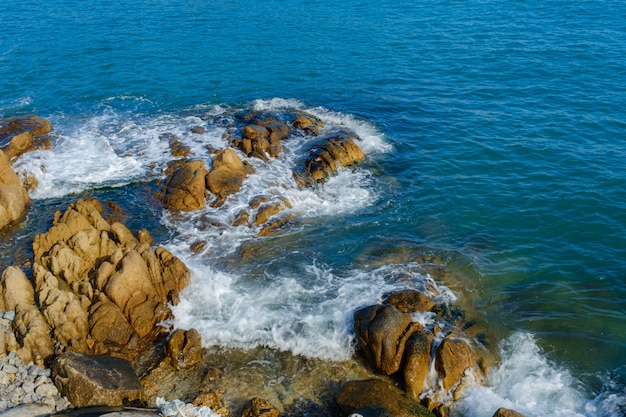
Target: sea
{"x":495,"y":134}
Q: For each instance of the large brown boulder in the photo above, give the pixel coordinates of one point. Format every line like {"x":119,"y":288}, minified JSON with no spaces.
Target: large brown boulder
{"x":185,"y":188}
{"x":226,"y":175}
{"x":13,"y":196}
{"x":356,"y":395}
{"x":417,"y":362}
{"x":92,"y":380}
{"x":337,"y":151}
{"x":382,"y":332}
{"x":453,"y":357}
{"x":19,"y":134}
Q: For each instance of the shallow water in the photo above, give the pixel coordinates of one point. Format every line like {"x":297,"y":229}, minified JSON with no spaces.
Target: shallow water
{"x":493,"y":131}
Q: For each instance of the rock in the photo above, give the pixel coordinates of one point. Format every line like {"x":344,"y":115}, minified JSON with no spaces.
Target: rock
{"x":15,"y":289}
{"x":226,"y":175}
{"x":452,"y":358}
{"x":32,"y":333}
{"x":185,"y":187}
{"x":357,"y":395}
{"x":13,"y":196}
{"x":382,"y":332}
{"x":92,"y":380}
{"x":17,"y":134}
{"x":258,"y":407}
{"x":255,"y":132}
{"x":47,"y":390}
{"x":184,"y":348}
{"x":29,"y":410}
{"x":505,"y":412}
{"x":308,"y":123}
{"x":417,"y":362}
{"x":327,"y":157}
{"x":410,"y":301}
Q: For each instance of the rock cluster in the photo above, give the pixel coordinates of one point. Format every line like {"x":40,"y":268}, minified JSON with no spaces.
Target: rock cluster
{"x":190,"y":184}
{"x":431,"y":362}
{"x":100,"y":289}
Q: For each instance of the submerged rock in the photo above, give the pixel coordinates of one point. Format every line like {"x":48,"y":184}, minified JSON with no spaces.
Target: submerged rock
{"x":356,"y":395}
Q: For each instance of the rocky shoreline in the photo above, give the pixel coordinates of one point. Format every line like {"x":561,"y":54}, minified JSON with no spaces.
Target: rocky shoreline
{"x":84,"y":321}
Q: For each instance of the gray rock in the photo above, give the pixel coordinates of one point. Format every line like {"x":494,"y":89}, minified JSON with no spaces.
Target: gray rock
{"x":10,"y":369}
{"x":91,"y":380}
{"x":47,"y":390}
{"x":28,"y":387}
{"x":28,"y":410}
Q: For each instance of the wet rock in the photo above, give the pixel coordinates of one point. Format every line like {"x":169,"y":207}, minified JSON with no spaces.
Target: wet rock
{"x":91,"y":380}
{"x":382,"y":332}
{"x":308,"y":123}
{"x":184,"y":348}
{"x":185,"y":187}
{"x":410,"y":301}
{"x":417,"y":362}
{"x":453,"y":357}
{"x":371,"y":411}
{"x":20,"y":134}
{"x":13,"y":196}
{"x":357,"y":395}
{"x":334,"y":152}
{"x":226,"y":175}
{"x":258,"y":407}
{"x":505,"y":412}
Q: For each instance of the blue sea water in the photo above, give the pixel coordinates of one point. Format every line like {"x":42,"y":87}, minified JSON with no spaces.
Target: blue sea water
{"x":495,"y":132}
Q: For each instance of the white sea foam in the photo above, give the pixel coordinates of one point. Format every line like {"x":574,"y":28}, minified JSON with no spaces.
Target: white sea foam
{"x":526,"y":381}
{"x":307,"y":311}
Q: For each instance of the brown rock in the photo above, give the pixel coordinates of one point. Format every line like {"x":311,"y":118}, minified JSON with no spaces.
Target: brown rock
{"x":375,"y":392}
{"x":226,"y":175}
{"x":13,"y":196}
{"x":15,"y":289}
{"x":32,"y":333}
{"x":382,"y":332}
{"x":417,"y":362}
{"x":505,"y":412}
{"x":258,"y":407}
{"x":92,"y":380}
{"x":255,"y":132}
{"x":184,"y":348}
{"x":109,"y":328}
{"x":185,"y":187}
{"x":324,"y":160}
{"x":452,"y":358}
{"x":310,"y":124}
{"x":410,"y":301}
{"x":17,"y":133}
{"x":62,"y":310}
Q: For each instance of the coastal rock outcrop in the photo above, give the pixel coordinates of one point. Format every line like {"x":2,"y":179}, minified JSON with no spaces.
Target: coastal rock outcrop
{"x":100,"y":288}
{"x":21,"y":134}
{"x":395,"y":344}
{"x":226,"y":175}
{"x":13,"y":196}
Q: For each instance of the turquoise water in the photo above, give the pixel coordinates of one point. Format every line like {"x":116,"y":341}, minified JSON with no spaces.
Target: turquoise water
{"x":495,"y":133}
